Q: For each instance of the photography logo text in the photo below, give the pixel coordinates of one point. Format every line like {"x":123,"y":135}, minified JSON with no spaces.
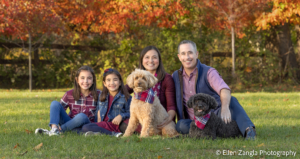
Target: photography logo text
{"x":255,"y":153}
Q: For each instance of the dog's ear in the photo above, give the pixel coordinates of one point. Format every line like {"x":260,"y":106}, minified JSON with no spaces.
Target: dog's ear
{"x":190,"y":102}
{"x":130,"y":80}
{"x":211,"y":101}
{"x":151,"y":79}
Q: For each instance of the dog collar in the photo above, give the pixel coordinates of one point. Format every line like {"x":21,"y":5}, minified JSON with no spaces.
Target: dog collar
{"x":201,"y":121}
{"x":146,"y":96}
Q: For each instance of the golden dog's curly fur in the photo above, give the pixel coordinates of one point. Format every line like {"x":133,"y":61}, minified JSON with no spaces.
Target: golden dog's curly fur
{"x":148,"y":115}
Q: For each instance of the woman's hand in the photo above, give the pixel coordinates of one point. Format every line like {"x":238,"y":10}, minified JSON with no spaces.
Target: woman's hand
{"x":117,"y":120}
{"x":167,"y":120}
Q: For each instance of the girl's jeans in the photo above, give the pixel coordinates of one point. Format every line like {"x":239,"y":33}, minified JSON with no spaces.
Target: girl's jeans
{"x":58,"y":116}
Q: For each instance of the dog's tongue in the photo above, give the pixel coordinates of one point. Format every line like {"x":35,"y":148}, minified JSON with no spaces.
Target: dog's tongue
{"x":199,"y":110}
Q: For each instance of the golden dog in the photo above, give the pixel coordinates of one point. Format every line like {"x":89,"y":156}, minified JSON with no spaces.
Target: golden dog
{"x":148,"y":115}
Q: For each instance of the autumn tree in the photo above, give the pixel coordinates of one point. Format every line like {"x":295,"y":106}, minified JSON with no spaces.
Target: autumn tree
{"x":102,"y":16}
{"x":28,"y":21}
{"x":231,"y":15}
{"x":281,"y":14}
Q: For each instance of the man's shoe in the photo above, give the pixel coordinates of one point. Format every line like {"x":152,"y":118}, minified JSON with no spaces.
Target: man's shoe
{"x":54,"y":132}
{"x":250,"y":133}
{"x":41,"y":131}
{"x":117,"y":134}
{"x":91,"y":133}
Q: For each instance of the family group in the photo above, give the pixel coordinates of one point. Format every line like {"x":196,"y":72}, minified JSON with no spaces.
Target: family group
{"x":107,"y":112}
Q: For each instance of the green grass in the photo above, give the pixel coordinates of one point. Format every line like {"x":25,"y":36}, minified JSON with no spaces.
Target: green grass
{"x":276,"y":116}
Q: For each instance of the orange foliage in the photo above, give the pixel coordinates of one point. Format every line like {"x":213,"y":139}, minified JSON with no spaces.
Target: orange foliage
{"x":283,"y":11}
{"x":100,"y":16}
{"x":18,"y":18}
{"x":222,"y":14}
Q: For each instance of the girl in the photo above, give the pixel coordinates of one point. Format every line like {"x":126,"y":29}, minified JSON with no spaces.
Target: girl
{"x":82,"y":102}
{"x":113,"y":106}
{"x":151,"y":61}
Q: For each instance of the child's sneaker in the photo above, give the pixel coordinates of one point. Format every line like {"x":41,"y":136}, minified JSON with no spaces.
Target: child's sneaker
{"x":41,"y":131}
{"x":54,"y":131}
{"x":117,"y":134}
{"x":91,"y":133}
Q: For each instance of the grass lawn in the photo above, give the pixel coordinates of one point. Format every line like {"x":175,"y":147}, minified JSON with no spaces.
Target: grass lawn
{"x":276,"y":116}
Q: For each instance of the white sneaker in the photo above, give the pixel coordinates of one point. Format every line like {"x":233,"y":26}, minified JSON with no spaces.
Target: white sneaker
{"x":54,"y":131}
{"x":91,"y":133}
{"x":41,"y":131}
{"x":117,"y":134}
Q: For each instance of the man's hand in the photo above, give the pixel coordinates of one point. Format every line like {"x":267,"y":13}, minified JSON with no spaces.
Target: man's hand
{"x":225,"y":97}
{"x":117,"y":120}
{"x":225,"y":115}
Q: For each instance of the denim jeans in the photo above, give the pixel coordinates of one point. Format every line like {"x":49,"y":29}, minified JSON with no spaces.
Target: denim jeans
{"x":238,"y":114}
{"x":58,"y":116}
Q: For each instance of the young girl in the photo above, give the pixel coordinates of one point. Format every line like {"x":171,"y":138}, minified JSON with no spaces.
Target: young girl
{"x":113,"y":106}
{"x":82,"y":102}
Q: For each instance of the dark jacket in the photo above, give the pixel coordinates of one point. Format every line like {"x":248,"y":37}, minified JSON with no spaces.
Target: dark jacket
{"x":202,"y":86}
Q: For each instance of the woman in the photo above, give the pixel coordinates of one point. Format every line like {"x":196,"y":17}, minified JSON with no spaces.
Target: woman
{"x":150,"y":60}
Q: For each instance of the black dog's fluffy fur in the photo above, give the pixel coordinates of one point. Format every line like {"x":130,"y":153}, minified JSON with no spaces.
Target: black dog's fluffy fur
{"x":215,"y":126}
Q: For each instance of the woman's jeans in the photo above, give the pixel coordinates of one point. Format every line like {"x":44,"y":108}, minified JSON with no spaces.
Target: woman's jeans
{"x":58,"y":116}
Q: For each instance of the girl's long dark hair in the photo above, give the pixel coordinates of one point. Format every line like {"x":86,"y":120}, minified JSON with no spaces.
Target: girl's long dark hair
{"x":121,"y":89}
{"x":92,"y":89}
{"x":160,"y":71}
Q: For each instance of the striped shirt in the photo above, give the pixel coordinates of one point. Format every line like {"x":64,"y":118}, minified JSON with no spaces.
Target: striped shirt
{"x":85,"y":105}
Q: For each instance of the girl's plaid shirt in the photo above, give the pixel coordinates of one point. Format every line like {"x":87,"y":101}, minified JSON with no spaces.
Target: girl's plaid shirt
{"x":85,"y":105}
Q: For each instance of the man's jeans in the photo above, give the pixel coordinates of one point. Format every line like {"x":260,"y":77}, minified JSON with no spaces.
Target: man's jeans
{"x":58,"y":116}
{"x":238,"y":114}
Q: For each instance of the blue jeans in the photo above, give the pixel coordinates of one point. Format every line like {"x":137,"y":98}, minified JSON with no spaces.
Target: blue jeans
{"x":238,"y":114}
{"x":58,"y":116}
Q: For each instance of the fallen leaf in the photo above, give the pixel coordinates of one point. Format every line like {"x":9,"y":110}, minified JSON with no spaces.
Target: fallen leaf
{"x":5,"y":122}
{"x":83,"y":157}
{"x":267,"y":112}
{"x":16,"y":145}
{"x":295,"y":143}
{"x":17,"y":101}
{"x":260,"y":145}
{"x":36,"y":95}
{"x":259,"y":100}
{"x":288,"y":136}
{"x":159,"y":157}
{"x":127,"y":140}
{"x":37,"y":147}
{"x":244,"y":146}
{"x":23,"y":153}
{"x":28,"y":131}
{"x":167,"y":148}
{"x":293,"y":127}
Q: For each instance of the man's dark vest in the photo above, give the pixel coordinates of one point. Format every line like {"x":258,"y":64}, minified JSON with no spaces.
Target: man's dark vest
{"x":202,"y":86}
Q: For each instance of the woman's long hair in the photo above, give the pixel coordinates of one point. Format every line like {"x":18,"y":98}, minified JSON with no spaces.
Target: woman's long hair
{"x":121,"y":89}
{"x":160,"y":71}
{"x":92,"y":89}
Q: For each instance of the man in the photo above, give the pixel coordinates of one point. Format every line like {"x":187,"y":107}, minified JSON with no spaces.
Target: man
{"x":194,"y":77}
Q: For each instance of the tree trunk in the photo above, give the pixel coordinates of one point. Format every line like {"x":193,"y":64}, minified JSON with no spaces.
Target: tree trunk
{"x":29,"y":56}
{"x":286,"y":50}
{"x":233,"y":51}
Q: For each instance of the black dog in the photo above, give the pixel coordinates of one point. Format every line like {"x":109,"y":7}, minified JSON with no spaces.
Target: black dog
{"x":215,"y":126}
